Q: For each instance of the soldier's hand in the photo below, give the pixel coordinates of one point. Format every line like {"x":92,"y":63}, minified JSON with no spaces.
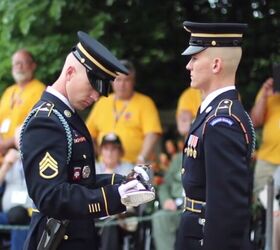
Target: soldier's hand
{"x":133,"y":193}
{"x":139,"y":172}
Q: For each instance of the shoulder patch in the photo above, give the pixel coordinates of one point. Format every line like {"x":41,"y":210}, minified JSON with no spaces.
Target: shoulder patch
{"x":226,"y":120}
{"x":45,"y":107}
{"x":224,"y":107}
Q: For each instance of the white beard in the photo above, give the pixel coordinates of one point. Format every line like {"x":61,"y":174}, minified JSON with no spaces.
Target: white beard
{"x":20,"y":77}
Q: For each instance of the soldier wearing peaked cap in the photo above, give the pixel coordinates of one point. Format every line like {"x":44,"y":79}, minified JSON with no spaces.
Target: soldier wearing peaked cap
{"x":216,"y":173}
{"x":58,"y":159}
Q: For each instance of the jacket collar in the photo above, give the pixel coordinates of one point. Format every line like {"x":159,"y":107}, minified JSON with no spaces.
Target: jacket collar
{"x":231,"y":94}
{"x":213,"y":95}
{"x":72,"y":117}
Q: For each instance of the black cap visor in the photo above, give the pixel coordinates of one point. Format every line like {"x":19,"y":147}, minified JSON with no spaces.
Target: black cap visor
{"x":102,"y":86}
{"x":191,"y":50}
{"x":98,"y":80}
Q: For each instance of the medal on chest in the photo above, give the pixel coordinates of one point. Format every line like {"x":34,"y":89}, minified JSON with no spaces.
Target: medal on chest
{"x":192,"y":146}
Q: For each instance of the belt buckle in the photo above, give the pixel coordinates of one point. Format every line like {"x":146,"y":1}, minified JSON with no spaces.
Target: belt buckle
{"x":192,"y":203}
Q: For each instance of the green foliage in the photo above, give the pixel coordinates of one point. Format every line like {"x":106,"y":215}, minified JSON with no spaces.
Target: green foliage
{"x":56,"y":9}
{"x":148,"y":32}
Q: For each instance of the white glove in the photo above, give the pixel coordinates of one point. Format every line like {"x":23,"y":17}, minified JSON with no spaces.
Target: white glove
{"x":123,"y":188}
{"x":133,"y":193}
{"x":142,"y":172}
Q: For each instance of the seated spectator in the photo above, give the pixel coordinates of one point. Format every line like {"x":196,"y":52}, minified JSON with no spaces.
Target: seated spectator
{"x":111,"y":152}
{"x":15,"y":201}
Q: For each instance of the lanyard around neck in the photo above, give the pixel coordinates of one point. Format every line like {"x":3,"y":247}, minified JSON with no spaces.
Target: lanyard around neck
{"x":16,"y":98}
{"x":118,"y":115}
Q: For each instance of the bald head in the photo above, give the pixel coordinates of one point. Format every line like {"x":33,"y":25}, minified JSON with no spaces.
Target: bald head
{"x":24,"y":52}
{"x":71,"y":61}
{"x":74,"y":84}
{"x":70,"y":68}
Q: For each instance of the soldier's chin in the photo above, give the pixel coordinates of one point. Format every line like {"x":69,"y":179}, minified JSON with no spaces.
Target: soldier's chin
{"x":81,"y":106}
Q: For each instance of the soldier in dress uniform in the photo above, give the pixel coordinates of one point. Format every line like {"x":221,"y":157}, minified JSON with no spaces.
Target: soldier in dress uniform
{"x":58,"y":159}
{"x":216,"y":173}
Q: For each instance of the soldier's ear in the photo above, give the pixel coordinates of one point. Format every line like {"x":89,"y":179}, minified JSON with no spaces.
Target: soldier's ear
{"x":216,"y":65}
{"x":69,"y":73}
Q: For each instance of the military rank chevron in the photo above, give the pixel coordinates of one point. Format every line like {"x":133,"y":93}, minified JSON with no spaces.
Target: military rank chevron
{"x":48,"y":167}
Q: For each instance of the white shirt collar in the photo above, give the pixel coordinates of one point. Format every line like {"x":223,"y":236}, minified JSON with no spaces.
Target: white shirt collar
{"x":59,"y":96}
{"x":212,"y":96}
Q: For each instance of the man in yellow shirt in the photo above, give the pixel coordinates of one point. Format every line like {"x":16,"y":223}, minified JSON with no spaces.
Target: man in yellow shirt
{"x":188,"y":104}
{"x":18,"y":99}
{"x":130,"y":114}
{"x":266,"y":114}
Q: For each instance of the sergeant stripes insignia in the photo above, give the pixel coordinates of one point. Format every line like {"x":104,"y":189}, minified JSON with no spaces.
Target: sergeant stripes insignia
{"x":48,"y":162}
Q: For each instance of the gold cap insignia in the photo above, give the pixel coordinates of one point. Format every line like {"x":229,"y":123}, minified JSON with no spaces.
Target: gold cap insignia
{"x":50,"y":164}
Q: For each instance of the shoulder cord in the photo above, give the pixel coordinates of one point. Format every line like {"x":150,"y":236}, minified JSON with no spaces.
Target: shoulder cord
{"x":253,"y":133}
{"x":64,"y":123}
